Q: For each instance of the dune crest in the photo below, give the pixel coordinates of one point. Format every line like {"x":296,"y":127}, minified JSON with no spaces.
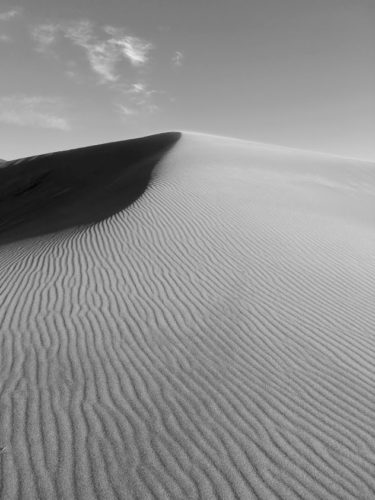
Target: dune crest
{"x":213,"y":340}
{"x":46,"y":193}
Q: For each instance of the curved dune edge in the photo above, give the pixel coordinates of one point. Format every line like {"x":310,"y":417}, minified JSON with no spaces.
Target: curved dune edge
{"x":47,"y":193}
{"x":213,"y":340}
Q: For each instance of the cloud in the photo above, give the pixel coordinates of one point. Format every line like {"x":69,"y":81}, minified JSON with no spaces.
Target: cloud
{"x":5,"y":16}
{"x":44,"y":36}
{"x":104,"y":52}
{"x":106,"y":49}
{"x":177,"y":58}
{"x":33,"y":111}
{"x":136,"y":91}
{"x":103,"y":61}
{"x":79,"y":32}
{"x":139,"y":97}
{"x":133,"y":48}
{"x":125,"y":111}
{"x":105,"y":55}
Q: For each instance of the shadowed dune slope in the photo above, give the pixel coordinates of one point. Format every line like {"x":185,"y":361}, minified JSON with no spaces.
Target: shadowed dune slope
{"x":50,"y":192}
{"x":215,"y":340}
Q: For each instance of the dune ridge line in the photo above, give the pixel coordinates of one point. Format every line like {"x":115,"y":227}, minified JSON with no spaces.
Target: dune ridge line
{"x":46,"y":193}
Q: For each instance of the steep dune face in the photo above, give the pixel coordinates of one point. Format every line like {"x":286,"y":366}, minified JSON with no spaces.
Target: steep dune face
{"x":213,"y":340}
{"x":47,"y":193}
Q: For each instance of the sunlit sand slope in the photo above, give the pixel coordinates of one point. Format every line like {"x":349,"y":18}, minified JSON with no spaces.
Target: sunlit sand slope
{"x":215,"y":339}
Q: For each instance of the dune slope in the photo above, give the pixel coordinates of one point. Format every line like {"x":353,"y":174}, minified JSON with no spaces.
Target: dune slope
{"x":215,"y":339}
{"x":50,"y":192}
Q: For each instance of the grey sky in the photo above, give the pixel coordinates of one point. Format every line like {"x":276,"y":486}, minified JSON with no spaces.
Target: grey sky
{"x":294,"y":72}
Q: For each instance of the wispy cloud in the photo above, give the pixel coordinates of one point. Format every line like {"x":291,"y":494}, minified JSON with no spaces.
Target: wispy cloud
{"x":133,"y":48}
{"x":139,"y":98}
{"x":177,"y":58}
{"x":33,"y":111}
{"x":5,"y":16}
{"x":136,"y":91}
{"x":100,"y":54}
{"x":44,"y":35}
{"x":125,"y":111}
{"x":104,"y":55}
{"x":105,"y":49}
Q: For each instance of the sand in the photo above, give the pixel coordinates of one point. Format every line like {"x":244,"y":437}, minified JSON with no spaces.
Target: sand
{"x":47,"y":193}
{"x":212,"y":339}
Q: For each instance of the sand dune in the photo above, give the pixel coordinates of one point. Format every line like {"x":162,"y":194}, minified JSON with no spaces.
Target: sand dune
{"x":50,"y":192}
{"x":215,"y":339}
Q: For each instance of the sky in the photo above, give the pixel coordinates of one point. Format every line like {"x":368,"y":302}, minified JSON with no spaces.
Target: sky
{"x":299,"y":73}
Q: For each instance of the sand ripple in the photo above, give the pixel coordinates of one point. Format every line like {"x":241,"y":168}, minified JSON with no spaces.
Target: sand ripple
{"x":215,"y":340}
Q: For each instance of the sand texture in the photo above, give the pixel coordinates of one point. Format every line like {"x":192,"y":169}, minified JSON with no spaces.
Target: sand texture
{"x":214,"y":339}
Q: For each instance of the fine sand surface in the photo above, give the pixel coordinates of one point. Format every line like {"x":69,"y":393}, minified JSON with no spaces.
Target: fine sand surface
{"x":214,"y":339}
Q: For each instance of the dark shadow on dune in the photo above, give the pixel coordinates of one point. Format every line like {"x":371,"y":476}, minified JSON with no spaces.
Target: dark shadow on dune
{"x":51,"y":192}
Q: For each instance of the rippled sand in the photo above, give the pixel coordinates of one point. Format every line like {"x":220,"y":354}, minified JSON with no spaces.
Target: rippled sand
{"x":213,"y":339}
